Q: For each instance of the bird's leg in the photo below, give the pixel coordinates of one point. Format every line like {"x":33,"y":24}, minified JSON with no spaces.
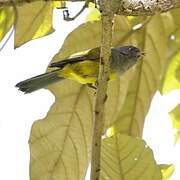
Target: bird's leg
{"x":92,"y":86}
{"x":96,"y":83}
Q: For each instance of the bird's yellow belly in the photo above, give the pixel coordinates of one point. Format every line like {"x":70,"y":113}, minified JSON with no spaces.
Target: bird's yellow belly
{"x":85,"y":72}
{"x":82,"y":79}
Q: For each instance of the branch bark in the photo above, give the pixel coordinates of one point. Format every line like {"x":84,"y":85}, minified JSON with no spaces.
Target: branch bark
{"x":143,"y":7}
{"x":123,"y":7}
{"x":101,"y":94}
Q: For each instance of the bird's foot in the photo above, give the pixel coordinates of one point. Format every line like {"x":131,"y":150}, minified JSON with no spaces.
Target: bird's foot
{"x":92,"y":86}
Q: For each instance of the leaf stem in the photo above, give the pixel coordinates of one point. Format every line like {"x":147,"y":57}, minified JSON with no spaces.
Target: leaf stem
{"x":101,"y":93}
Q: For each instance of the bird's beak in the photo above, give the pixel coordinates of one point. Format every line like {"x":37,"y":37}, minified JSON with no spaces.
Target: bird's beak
{"x":141,"y":54}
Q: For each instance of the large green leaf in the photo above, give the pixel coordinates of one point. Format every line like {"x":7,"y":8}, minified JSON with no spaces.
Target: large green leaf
{"x":6,"y":20}
{"x":146,"y":80}
{"x":94,"y":13}
{"x":64,"y":136}
{"x":175,"y":117}
{"x":38,"y":21}
{"x":128,"y":158}
{"x":167,"y":170}
{"x":60,"y":143}
{"x":171,"y":79}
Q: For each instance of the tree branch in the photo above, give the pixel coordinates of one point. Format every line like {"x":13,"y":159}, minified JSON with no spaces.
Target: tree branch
{"x":101,"y":94}
{"x":143,"y":7}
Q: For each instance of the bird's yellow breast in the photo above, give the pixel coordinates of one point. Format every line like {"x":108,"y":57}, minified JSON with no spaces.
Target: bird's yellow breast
{"x":84,"y":72}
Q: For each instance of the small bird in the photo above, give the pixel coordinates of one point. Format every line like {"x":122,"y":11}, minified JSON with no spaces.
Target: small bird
{"x":83,"y":68}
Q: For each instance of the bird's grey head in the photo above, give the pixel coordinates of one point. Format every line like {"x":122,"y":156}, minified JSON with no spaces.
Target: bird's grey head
{"x":124,"y":57}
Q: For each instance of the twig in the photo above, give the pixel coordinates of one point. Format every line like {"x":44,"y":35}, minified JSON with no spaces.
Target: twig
{"x":66,"y":14}
{"x":101,"y":94}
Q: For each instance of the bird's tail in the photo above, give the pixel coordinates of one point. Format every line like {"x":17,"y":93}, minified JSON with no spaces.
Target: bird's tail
{"x":38,"y":82}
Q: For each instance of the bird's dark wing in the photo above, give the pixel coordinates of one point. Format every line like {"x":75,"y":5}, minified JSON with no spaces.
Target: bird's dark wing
{"x":62,"y":63}
{"x":93,"y":54}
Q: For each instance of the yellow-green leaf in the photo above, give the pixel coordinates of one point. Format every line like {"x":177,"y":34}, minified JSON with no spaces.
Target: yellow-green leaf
{"x":6,"y":20}
{"x":166,"y":170}
{"x":59,"y":4}
{"x":177,"y":136}
{"x":38,"y":21}
{"x":128,"y":158}
{"x":60,"y":143}
{"x":146,"y":80}
{"x":94,"y":13}
{"x":171,"y":79}
{"x":175,"y":14}
{"x":175,"y":117}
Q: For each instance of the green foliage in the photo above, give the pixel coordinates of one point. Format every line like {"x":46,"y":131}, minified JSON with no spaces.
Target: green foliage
{"x":74,"y":106}
{"x":6,"y":21}
{"x":171,"y":79}
{"x":166,"y":170}
{"x":127,"y":103}
{"x":38,"y":21}
{"x":175,"y":116}
{"x":60,"y":144}
{"x":32,"y":20}
{"x":152,"y":39}
{"x":125,"y":157}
